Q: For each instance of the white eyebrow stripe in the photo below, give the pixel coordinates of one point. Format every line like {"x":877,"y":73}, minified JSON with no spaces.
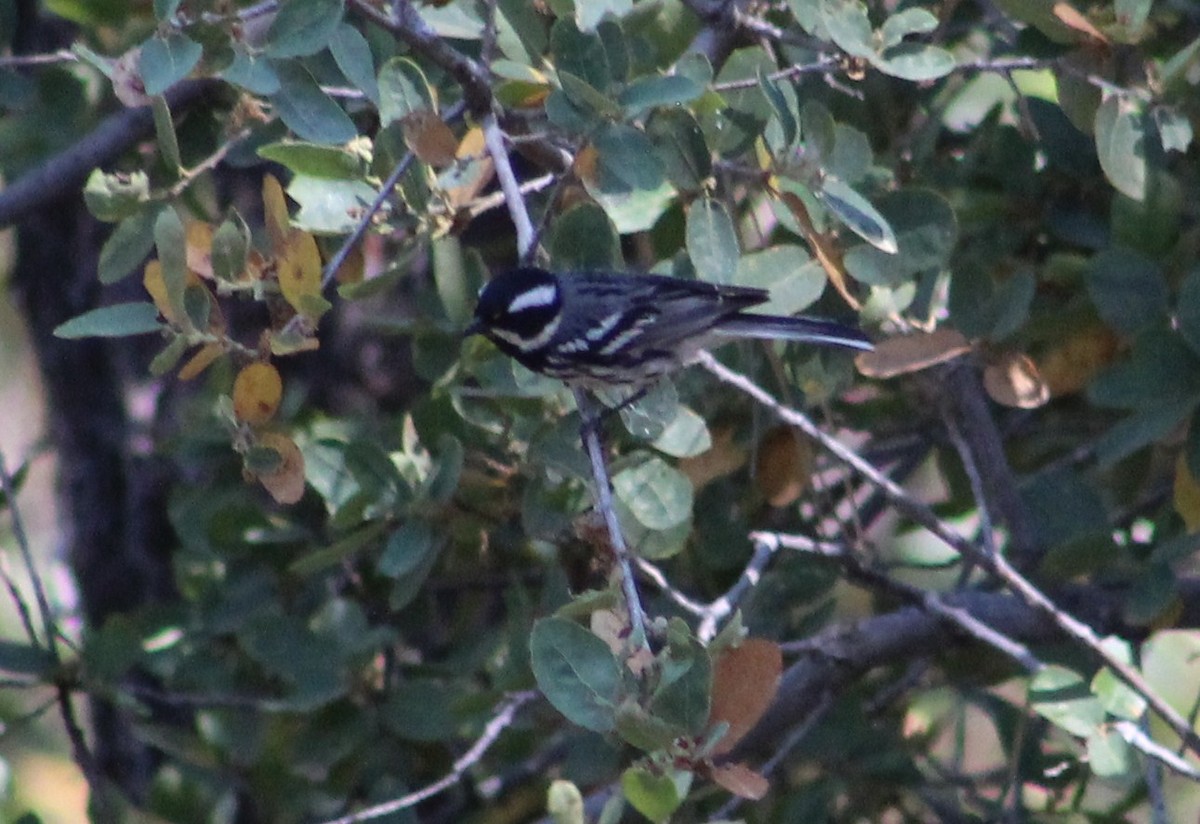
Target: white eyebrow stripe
{"x":536,"y":297}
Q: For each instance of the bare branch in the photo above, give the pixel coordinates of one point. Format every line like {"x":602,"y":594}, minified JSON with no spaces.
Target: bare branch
{"x":604,"y":501}
{"x":995,"y":564}
{"x":500,"y":722}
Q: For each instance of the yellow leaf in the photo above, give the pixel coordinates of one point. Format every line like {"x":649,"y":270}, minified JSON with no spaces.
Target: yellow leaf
{"x":275,"y":213}
{"x":784,"y":466}
{"x":745,"y":680}
{"x":286,"y":483}
{"x":740,"y":780}
{"x":471,"y":147}
{"x":299,"y":270}
{"x":1187,"y":495}
{"x":1070,"y":367}
{"x":199,"y":248}
{"x":152,"y":280}
{"x":902,"y":354}
{"x":200,"y":361}
{"x":724,"y":458}
{"x":257,"y":391}
{"x":1014,"y":380}
{"x":156,"y":287}
{"x":429,"y":137}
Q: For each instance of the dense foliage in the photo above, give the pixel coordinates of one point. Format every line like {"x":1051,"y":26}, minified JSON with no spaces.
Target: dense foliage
{"x":967,"y":593}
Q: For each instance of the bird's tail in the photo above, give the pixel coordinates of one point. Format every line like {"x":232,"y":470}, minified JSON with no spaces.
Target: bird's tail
{"x":801,"y":329}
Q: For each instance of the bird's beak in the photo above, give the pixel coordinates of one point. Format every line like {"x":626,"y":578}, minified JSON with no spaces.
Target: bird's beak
{"x":475,"y":327}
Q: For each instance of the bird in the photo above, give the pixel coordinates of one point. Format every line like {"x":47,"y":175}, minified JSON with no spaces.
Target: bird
{"x":603,"y":329}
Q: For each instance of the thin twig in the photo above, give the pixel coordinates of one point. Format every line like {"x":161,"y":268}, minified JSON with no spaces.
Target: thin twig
{"x":995,"y":564}
{"x":494,"y":139}
{"x":727,"y":603}
{"x":931,"y":601}
{"x":49,"y":627}
{"x":188,"y":176}
{"x":500,"y":721}
{"x":17,"y":61}
{"x":604,"y":500}
{"x":793,"y":740}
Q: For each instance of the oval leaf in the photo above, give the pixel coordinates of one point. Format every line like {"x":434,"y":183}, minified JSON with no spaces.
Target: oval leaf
{"x":114,"y":321}
{"x":576,"y":672}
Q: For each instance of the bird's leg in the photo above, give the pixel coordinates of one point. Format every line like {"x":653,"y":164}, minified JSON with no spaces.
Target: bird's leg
{"x":590,"y":432}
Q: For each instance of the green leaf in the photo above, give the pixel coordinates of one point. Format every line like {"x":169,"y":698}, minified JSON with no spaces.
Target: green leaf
{"x":165,"y":9}
{"x":589,"y":14}
{"x":682,"y":697}
{"x":164,"y":132}
{"x":818,"y":131}
{"x":576,"y":672}
{"x":303,"y":27}
{"x":1174,"y":128}
{"x":1121,"y":145}
{"x":308,"y":663}
{"x":407,"y":549}
{"x":712,"y":242}
{"x":421,"y":709}
{"x":230,"y":247}
{"x":1187,"y":309}
{"x":653,"y":795}
{"x":1108,"y":754}
{"x":647,"y":93}
{"x":127,"y":246}
{"x":1160,"y":369}
{"x":328,"y":206}
{"x":734,"y":127}
{"x":117,"y":320}
{"x":857,"y":213}
{"x":903,"y":23}
{"x":925,"y":229}
{"x":794,"y":280}
{"x":403,"y":89}
{"x":658,"y":495}
{"x":197,"y":304}
{"x":23,"y":659}
{"x":166,"y":61}
{"x":305,"y":109}
{"x":783,"y":111}
{"x":1129,"y":290}
{"x":848,"y":25}
{"x":917,"y":62}
{"x":647,"y":732}
{"x":353,"y":56}
{"x":1142,"y":428}
{"x":627,"y":160}
{"x":1117,"y":698}
{"x":253,"y":73}
{"x":685,"y":436}
{"x":442,"y":481}
{"x":314,"y":160}
{"x":1061,"y":696}
{"x":450,"y":277}
{"x":165,"y":360}
{"x":580,"y":54}
{"x":564,"y":802}
{"x":170,"y":239}
{"x":584,"y":238}
{"x":680,"y":146}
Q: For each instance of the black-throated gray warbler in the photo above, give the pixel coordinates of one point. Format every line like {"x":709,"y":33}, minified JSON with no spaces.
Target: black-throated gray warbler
{"x":598,"y":329}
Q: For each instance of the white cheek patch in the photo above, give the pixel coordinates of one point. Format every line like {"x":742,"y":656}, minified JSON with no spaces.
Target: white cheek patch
{"x":535,"y":298}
